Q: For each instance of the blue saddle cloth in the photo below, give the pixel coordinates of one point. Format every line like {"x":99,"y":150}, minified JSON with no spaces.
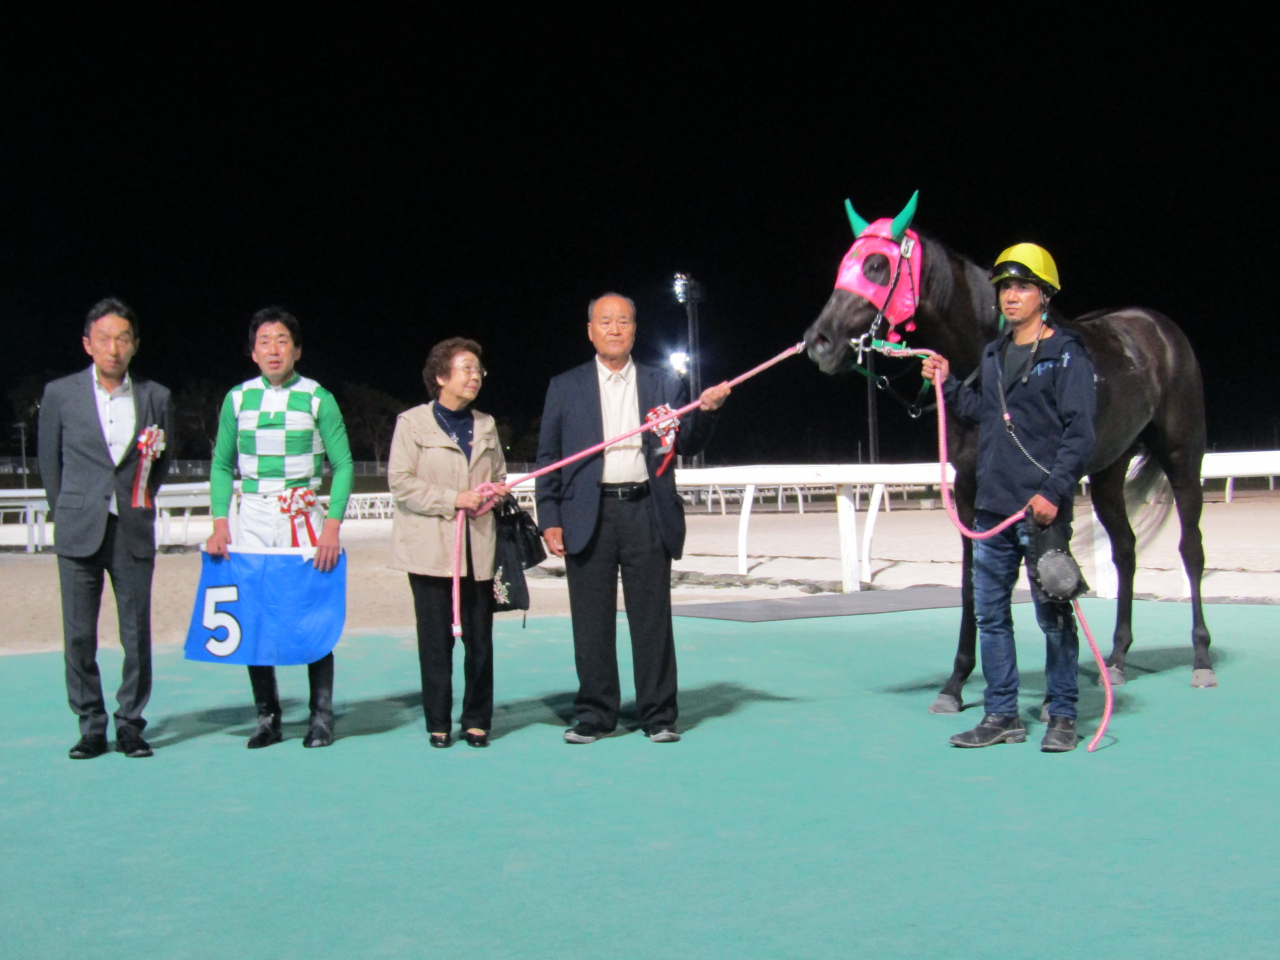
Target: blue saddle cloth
{"x":266,"y":609}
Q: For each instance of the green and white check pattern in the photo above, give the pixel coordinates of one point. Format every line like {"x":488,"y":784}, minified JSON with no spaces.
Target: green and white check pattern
{"x":278,"y":442}
{"x":279,"y":437}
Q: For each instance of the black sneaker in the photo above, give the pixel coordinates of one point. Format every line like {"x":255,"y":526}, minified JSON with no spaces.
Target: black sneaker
{"x":1060,"y":737}
{"x":992,"y":730}
{"x":132,"y":745}
{"x":89,"y":746}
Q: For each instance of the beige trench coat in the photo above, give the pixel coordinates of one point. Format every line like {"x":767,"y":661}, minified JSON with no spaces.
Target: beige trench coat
{"x":426,"y":472}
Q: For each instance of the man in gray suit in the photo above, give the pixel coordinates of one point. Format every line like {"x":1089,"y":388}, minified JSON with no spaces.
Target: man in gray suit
{"x":102,"y":458}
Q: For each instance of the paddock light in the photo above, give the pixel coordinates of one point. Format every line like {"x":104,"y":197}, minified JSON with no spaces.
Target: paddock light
{"x":679,"y":362}
{"x":687,"y":289}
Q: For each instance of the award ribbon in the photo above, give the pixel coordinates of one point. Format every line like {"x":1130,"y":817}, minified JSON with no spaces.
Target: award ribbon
{"x":150,"y":444}
{"x":665,"y":431}
{"x":297,"y":503}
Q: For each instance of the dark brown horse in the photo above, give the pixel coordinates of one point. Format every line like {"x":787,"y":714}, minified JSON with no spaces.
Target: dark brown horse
{"x":1150,"y":403}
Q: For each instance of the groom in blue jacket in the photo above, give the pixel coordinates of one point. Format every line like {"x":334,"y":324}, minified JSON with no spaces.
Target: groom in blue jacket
{"x":1034,"y":403}
{"x":618,"y":511}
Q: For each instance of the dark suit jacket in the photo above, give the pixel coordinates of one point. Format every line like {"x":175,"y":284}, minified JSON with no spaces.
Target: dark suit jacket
{"x":571,"y":421}
{"x":79,"y":475}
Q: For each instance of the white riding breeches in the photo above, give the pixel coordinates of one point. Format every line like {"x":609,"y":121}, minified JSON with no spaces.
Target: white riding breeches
{"x":263,"y":524}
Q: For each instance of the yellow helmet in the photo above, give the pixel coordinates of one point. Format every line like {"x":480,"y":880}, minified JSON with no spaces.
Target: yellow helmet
{"x":1026,"y":261}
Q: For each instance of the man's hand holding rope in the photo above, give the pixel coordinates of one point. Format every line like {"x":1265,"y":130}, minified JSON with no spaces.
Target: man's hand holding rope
{"x":937,"y":369}
{"x":712,"y":399}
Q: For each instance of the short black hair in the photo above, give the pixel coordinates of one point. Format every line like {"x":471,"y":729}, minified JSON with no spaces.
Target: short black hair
{"x":107,"y":306}
{"x":275,"y":315}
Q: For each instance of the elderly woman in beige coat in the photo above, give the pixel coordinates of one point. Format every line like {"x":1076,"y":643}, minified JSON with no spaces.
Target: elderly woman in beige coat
{"x":441,"y":452}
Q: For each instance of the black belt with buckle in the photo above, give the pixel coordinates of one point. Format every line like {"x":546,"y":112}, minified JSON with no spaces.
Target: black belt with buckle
{"x":625,"y":491}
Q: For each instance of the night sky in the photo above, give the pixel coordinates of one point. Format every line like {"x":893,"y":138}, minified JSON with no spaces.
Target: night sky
{"x":394,"y":181}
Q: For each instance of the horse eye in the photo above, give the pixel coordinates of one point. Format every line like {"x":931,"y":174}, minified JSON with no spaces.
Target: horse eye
{"x":876,"y":269}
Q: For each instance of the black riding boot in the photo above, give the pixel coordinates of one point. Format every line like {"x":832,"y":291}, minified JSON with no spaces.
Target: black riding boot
{"x":266,"y":698}
{"x":320,"y":674}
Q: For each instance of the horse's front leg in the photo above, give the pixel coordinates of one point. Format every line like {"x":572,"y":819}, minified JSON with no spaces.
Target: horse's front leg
{"x":949,"y":699}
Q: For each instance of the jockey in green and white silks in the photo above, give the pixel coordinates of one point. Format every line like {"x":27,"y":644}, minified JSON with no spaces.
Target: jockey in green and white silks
{"x":278,"y":437}
{"x":278,"y":428}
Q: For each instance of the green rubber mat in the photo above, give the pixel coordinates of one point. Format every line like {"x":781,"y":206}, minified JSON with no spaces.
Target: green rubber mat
{"x":813,"y":810}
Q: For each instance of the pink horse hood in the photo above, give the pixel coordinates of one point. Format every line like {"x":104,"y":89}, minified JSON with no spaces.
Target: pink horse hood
{"x":899,"y":299}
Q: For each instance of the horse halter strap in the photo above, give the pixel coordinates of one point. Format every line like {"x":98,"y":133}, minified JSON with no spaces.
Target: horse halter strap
{"x":897,"y":301}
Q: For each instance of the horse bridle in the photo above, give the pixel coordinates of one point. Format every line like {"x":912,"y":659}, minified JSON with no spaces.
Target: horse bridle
{"x":867,"y":342}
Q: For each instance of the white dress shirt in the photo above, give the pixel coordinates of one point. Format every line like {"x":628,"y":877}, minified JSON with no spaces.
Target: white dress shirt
{"x":118,"y":417}
{"x":620,"y":411}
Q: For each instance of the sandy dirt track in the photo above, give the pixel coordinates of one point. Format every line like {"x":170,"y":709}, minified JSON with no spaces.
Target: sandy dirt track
{"x":911,"y":547}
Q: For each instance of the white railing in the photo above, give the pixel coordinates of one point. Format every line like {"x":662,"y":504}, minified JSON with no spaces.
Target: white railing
{"x":846,"y":479}
{"x":743,"y":485}
{"x":174,"y":501}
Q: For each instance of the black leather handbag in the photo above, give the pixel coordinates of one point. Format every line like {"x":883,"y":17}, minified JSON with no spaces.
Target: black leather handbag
{"x":518,"y":548}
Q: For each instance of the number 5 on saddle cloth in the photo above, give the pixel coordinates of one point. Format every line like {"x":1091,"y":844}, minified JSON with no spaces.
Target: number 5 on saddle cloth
{"x":267,"y":608}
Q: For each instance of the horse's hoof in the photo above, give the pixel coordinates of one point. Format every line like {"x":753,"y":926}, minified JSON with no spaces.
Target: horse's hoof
{"x":1117,"y":676}
{"x":945,"y":703}
{"x":1203,"y":678}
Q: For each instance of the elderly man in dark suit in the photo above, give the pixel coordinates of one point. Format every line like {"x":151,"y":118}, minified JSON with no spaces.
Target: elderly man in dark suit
{"x":100,"y":482}
{"x":615,"y":511}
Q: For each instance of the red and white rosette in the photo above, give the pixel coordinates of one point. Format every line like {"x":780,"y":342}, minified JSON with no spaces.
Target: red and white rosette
{"x":666,"y":430}
{"x":150,"y":445}
{"x":297,"y":503}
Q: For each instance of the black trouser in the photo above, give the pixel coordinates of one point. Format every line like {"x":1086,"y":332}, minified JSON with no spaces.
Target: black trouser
{"x":266,"y":695}
{"x":81,"y":581}
{"x":433,"y":604}
{"x":626,"y":539}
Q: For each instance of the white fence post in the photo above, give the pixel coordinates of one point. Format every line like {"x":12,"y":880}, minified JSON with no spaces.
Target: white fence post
{"x":873,"y":508}
{"x":744,"y":518}
{"x":847,"y":516}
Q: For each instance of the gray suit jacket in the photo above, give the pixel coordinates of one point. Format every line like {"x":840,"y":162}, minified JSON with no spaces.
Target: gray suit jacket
{"x":79,"y":475}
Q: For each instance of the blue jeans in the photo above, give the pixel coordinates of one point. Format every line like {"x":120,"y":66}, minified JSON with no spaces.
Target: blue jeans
{"x":995,"y":571}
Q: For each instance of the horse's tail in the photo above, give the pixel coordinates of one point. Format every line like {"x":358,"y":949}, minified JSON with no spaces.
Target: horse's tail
{"x":1148,"y":498}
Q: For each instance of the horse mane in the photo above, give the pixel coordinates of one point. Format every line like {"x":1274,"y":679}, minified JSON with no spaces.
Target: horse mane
{"x":939,"y":272}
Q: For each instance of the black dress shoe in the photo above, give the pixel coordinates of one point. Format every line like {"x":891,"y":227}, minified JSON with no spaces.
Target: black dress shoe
{"x":992,"y":730}
{"x":132,"y":745}
{"x":268,"y":732}
{"x":476,"y":739}
{"x":318,"y":736}
{"x":1060,"y":737}
{"x":91,"y":745}
{"x":441,"y":741}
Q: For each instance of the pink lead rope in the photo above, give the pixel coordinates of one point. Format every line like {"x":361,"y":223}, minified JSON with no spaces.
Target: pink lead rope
{"x":975,"y":535}
{"x":489,"y":490}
